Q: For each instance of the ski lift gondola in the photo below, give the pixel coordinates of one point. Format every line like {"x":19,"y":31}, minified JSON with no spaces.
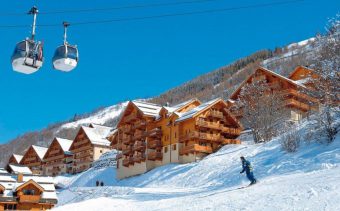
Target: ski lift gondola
{"x":28,"y":56}
{"x":66,"y":56}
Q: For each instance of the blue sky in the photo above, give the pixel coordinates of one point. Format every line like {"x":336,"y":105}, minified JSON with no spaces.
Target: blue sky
{"x":137,"y":59}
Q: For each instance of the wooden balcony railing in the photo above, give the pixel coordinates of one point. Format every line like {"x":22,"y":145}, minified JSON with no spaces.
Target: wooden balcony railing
{"x":231,"y":131}
{"x":297,"y":104}
{"x":214,"y":113}
{"x":56,"y":151}
{"x":206,"y":124}
{"x":126,"y":128}
{"x":198,"y":135}
{"x":131,"y":117}
{"x":156,"y":143}
{"x":195,"y":148}
{"x":156,"y":132}
{"x":139,"y":124}
{"x":300,"y":95}
{"x":29,"y":198}
{"x":139,"y":158}
{"x":126,"y":139}
{"x":155,"y":156}
{"x":139,"y":134}
{"x":230,"y":141}
{"x":139,"y":146}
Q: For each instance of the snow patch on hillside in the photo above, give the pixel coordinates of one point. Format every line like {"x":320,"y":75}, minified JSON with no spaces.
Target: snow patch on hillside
{"x":100,"y":117}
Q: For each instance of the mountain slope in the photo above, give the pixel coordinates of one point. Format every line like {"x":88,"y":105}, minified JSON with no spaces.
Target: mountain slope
{"x":307,"y":179}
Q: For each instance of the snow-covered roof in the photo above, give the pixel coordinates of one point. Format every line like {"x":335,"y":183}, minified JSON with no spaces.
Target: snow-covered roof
{"x":41,"y":151}
{"x":149,"y":109}
{"x":3,"y":171}
{"x":18,"y":157}
{"x":64,"y":143}
{"x":9,"y":181}
{"x":196,"y":110}
{"x":16,"y":169}
{"x":97,"y":135}
{"x":176,"y":107}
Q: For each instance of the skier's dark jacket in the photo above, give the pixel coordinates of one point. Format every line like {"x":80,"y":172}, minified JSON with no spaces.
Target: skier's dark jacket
{"x":246,"y":167}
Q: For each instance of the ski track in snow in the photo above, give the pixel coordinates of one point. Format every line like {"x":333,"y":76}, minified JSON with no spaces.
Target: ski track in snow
{"x":306,"y":180}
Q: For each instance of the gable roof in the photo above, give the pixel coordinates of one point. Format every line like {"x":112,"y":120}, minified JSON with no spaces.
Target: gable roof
{"x":31,"y":181}
{"x":97,"y":135}
{"x":148,"y":109}
{"x":299,"y":68}
{"x":17,"y":157}
{"x":65,"y":144}
{"x":16,"y":169}
{"x":179,"y":106}
{"x":40,"y":151}
{"x":292,"y":82}
{"x":195,"y":111}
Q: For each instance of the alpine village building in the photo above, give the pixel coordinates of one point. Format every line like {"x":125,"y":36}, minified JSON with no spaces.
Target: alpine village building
{"x":33,"y":158}
{"x":24,"y":191}
{"x":150,"y":135}
{"x":58,"y":159}
{"x":88,"y":145}
{"x":296,"y":101}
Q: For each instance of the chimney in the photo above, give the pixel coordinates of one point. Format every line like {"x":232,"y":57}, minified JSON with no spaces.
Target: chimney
{"x":20,"y":177}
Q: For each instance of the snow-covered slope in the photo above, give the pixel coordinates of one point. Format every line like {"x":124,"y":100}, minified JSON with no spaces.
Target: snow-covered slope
{"x":101,"y":117}
{"x":304,"y":180}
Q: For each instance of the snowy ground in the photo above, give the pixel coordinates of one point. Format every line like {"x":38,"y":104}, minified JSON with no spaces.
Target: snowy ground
{"x":306,"y":180}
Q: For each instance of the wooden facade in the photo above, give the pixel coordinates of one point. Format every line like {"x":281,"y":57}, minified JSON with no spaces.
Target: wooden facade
{"x":33,"y":158}
{"x":20,"y":193}
{"x":89,"y":144}
{"x":150,"y":135}
{"x":58,"y":159}
{"x":297,"y":102}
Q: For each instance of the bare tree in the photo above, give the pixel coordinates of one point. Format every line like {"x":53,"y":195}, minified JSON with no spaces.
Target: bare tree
{"x":262,"y":110}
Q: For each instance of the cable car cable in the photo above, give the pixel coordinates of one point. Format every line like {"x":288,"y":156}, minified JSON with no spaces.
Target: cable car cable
{"x":164,"y":15}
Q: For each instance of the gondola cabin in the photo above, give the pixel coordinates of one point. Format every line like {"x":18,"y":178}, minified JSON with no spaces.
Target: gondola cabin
{"x":65,"y":58}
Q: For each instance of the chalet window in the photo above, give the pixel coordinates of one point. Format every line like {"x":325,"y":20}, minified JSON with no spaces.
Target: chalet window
{"x":28,"y":192}
{"x":101,"y":151}
{"x":1,"y":192}
{"x":165,"y":149}
{"x":174,"y":147}
{"x":175,"y":135}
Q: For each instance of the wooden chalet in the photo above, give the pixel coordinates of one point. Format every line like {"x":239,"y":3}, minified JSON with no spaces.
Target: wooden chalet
{"x":205,"y":129}
{"x":297,"y":102}
{"x":151,"y":135}
{"x":15,"y":159}
{"x":58,"y":159}
{"x":33,"y":158}
{"x":26,"y":192}
{"x":88,"y":145}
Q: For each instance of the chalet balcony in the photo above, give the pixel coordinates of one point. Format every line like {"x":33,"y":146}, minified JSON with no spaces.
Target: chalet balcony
{"x":82,"y":161}
{"x":200,"y":136}
{"x":131,"y":117}
{"x":216,"y":114}
{"x":156,"y":132}
{"x":127,"y":151}
{"x":297,"y":104}
{"x":139,"y":158}
{"x":207,"y":124}
{"x":78,"y":143}
{"x":126,"y":128}
{"x":195,"y":148}
{"x":139,"y":124}
{"x":56,"y":151}
{"x":118,"y":146}
{"x":139,"y":134}
{"x":155,"y":156}
{"x":29,"y":198}
{"x":300,"y":95}
{"x":153,"y":144}
{"x":230,"y":141}
{"x":139,"y":146}
{"x":126,"y":139}
{"x":231,"y":131}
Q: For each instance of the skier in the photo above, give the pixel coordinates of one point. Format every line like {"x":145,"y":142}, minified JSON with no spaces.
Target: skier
{"x":246,"y":167}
